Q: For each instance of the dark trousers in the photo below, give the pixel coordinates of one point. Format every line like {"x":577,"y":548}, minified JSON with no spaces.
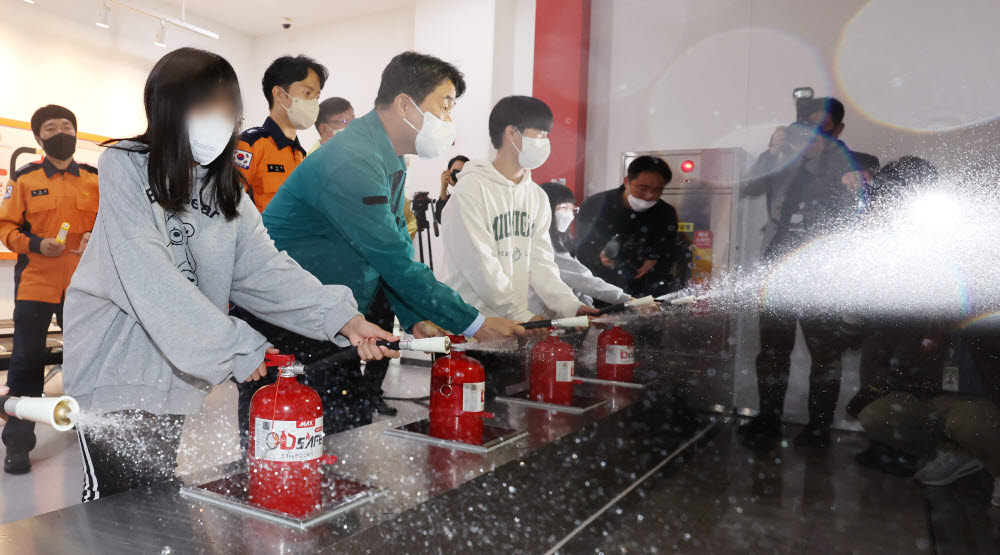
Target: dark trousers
{"x":826,"y":341}
{"x":346,"y":403}
{"x":26,"y":376}
{"x":894,"y":358}
{"x":505,"y":372}
{"x":380,"y":314}
{"x":128,"y":449}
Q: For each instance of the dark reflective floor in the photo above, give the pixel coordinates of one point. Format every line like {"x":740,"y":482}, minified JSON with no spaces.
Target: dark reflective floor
{"x":724,"y":498}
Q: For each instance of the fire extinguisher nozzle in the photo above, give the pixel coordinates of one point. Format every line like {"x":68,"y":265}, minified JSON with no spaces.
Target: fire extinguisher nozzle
{"x":574,"y":322}
{"x":427,"y":344}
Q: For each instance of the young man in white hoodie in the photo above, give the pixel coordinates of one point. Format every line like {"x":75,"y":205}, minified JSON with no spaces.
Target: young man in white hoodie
{"x":496,"y":224}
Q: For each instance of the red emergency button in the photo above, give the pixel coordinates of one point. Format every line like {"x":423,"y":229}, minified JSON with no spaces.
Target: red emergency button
{"x":687,"y":166}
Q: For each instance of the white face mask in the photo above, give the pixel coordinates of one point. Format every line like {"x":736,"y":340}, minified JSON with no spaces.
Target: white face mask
{"x":331,"y":131}
{"x":302,"y":113}
{"x":640,"y":205}
{"x":533,"y":152}
{"x":209,"y":134}
{"x":563,"y":219}
{"x":434,"y":137}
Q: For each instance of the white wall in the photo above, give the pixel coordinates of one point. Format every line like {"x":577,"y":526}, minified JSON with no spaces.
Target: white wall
{"x":671,"y":74}
{"x":52,"y":52}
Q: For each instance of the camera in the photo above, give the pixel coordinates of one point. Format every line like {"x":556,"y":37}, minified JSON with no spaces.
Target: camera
{"x":421,"y":202}
{"x":454,"y":176}
{"x":286,"y":23}
{"x":805,"y":104}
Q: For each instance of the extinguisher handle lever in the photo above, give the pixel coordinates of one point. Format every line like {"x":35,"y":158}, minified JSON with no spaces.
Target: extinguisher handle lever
{"x":278,"y":359}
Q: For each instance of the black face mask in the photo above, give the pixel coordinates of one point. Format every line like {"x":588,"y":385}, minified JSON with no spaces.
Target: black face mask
{"x":60,"y":146}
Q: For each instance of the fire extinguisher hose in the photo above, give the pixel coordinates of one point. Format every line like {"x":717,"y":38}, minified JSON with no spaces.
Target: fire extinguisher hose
{"x":426,"y":345}
{"x":628,"y":304}
{"x":574,"y":322}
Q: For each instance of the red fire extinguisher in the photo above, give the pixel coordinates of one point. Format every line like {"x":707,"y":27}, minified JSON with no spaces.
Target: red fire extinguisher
{"x":286,"y":442}
{"x":615,"y":355}
{"x":458,"y":397}
{"x":551,"y":365}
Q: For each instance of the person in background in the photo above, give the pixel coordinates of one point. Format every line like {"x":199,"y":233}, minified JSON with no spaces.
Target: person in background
{"x":956,"y":434}
{"x":627,"y":234}
{"x":268,"y":154}
{"x":334,"y":115}
{"x":340,"y":215}
{"x":900,"y":355}
{"x":449,"y":178}
{"x":496,"y":238}
{"x":584,"y":283}
{"x":806,"y":193}
{"x":410,"y":217}
{"x":38,"y":199}
{"x":147,"y":334}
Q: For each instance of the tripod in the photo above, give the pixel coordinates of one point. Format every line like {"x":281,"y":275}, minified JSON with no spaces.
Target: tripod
{"x":420,"y":205}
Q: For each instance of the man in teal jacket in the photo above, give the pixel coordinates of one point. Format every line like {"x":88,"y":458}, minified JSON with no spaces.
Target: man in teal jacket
{"x":340,"y":213}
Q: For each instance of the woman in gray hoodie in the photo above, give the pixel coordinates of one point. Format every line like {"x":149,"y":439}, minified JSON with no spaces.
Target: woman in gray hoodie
{"x":147,"y":332}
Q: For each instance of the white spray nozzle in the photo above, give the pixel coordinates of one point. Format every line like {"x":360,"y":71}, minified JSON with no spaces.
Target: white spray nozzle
{"x":574,"y":322}
{"x":427,"y":344}
{"x":58,"y":412}
{"x":647,"y":300}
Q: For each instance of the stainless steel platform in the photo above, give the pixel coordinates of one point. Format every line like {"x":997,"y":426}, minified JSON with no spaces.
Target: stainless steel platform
{"x":523,"y":498}
{"x":493,"y":436}
{"x":339,"y":495}
{"x":580,"y":404}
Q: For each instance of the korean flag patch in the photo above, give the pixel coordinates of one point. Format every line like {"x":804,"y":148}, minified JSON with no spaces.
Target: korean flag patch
{"x":242,"y":159}
{"x":9,"y":190}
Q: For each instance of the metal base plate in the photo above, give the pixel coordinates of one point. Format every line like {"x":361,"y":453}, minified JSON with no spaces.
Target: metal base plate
{"x":493,"y":436}
{"x":230,"y":492}
{"x":638,"y":384}
{"x":580,"y":404}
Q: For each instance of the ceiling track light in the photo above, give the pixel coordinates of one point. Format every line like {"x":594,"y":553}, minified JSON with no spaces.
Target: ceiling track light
{"x":165,"y":19}
{"x":103,"y":15}
{"x":161,"y":35}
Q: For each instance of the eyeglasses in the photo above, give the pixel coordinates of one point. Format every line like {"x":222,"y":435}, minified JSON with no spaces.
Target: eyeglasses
{"x":567,"y":206}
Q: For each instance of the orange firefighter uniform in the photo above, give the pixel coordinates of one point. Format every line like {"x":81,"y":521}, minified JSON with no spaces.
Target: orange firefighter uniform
{"x":265,"y":157}
{"x":37,"y":200}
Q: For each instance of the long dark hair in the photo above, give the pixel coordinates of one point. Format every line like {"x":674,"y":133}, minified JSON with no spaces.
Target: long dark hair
{"x":558,"y":194}
{"x":177,"y":82}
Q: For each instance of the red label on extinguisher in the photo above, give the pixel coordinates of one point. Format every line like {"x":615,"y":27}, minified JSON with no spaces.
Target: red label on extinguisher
{"x":564,"y":370}
{"x":619,"y":354}
{"x":474,"y":397}
{"x":288,"y":440}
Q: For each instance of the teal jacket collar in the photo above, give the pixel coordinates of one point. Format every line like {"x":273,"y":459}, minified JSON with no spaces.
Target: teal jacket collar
{"x":372,"y":125}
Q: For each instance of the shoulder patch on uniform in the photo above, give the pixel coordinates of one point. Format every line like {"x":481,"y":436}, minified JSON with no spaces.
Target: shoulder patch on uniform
{"x":250,"y":136}
{"x":242,"y":159}
{"x":26,"y":169}
{"x":89,"y":168}
{"x":7,"y":191}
